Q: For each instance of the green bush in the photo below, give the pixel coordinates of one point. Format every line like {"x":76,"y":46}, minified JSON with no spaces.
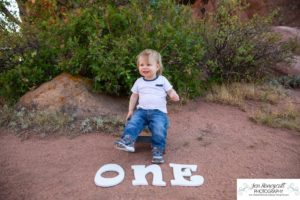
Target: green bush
{"x":17,"y":81}
{"x":101,"y":40}
{"x":102,"y":43}
{"x":29,"y":55}
{"x":237,"y":49}
{"x":31,"y":63}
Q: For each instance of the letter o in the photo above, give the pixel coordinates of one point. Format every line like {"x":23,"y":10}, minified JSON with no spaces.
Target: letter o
{"x":108,"y":182}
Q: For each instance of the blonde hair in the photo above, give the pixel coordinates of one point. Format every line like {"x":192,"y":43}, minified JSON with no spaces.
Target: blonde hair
{"x":153,"y":54}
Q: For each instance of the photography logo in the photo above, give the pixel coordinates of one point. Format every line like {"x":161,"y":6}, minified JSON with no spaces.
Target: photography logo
{"x":268,"y":189}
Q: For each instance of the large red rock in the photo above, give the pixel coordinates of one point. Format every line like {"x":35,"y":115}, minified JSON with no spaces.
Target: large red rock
{"x":288,"y":10}
{"x":67,"y":93}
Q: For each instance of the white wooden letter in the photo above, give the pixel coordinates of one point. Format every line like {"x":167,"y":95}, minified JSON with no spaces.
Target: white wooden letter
{"x":108,"y":182}
{"x":140,"y":172}
{"x":181,"y":171}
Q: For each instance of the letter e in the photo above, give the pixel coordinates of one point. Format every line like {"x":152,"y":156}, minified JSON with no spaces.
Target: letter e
{"x":181,"y":171}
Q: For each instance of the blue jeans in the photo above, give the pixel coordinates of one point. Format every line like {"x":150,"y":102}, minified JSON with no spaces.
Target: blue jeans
{"x":157,"y":122}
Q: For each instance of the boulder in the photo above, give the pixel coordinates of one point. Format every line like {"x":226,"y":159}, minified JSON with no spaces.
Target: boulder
{"x":290,"y":70}
{"x":73,"y":95}
{"x":288,"y":33}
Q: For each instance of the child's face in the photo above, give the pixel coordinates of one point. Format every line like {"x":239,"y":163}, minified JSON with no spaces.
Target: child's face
{"x":148,"y":67}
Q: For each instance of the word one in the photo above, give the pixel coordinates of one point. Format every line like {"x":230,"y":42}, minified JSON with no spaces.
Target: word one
{"x":180,"y":171}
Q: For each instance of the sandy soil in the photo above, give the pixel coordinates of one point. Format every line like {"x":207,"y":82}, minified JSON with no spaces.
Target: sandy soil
{"x":220,"y":140}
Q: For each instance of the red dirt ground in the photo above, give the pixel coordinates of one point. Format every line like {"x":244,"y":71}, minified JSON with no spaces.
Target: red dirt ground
{"x":220,"y":140}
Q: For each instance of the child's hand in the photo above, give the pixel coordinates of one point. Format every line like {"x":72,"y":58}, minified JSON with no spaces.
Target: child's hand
{"x":129,"y":114}
{"x":173,"y":95}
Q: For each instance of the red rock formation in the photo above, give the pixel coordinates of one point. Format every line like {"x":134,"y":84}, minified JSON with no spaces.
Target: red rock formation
{"x":289,"y":10}
{"x":73,"y":95}
{"x":201,"y":7}
{"x":288,"y":33}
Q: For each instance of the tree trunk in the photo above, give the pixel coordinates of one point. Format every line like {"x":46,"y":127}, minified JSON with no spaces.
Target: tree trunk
{"x":7,"y":14}
{"x":22,"y":8}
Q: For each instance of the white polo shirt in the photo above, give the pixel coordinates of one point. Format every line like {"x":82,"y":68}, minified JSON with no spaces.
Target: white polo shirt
{"x":152,"y":93}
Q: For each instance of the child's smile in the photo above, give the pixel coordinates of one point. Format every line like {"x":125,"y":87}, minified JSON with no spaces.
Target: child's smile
{"x":148,"y":67}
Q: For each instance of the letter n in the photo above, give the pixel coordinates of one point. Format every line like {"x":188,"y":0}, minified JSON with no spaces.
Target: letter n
{"x":140,"y":172}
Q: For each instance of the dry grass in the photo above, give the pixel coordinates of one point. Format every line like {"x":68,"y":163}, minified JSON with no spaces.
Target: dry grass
{"x":46,"y":123}
{"x":237,"y":93}
{"x":288,"y":117}
{"x":43,"y":122}
{"x":109,"y":124}
{"x":267,"y":98}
